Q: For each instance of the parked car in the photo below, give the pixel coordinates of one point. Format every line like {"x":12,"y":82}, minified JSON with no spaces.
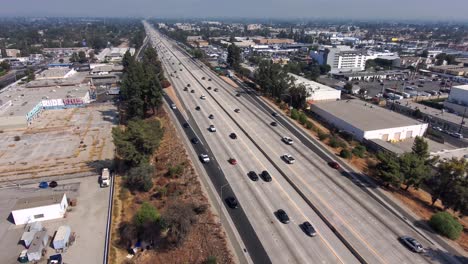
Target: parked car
{"x":232,"y":202}
{"x":185,"y":89}
{"x":266,"y":176}
{"x":53,"y":184}
{"x":212,"y":128}
{"x":211,"y":116}
{"x":238,"y":94}
{"x":197,"y":108}
{"x":233,"y":161}
{"x":43,"y":185}
{"x":253,"y":175}
{"x":237,"y":110}
{"x":288,"y":158}
{"x":209,"y":79}
{"x":215,"y":89}
{"x":188,"y":85}
{"x":192,"y":91}
{"x":282,"y":216}
{"x":334,"y":165}
{"x":209,"y":88}
{"x":233,"y":135}
{"x":203,"y":78}
{"x":203,"y":97}
{"x":287,"y":140}
{"x":309,"y":229}
{"x":412,"y":244}
{"x":456,"y":135}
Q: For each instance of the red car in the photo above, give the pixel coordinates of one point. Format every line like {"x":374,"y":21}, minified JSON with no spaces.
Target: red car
{"x":233,"y":161}
{"x":334,"y":165}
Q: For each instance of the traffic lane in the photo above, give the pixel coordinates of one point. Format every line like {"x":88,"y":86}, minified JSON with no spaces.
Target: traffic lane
{"x":301,"y":233}
{"x":370,"y":183}
{"x":239,"y":218}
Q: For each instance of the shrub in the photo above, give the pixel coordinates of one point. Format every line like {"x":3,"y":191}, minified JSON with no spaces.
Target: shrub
{"x":211,"y":260}
{"x":175,"y":170}
{"x":140,"y":178}
{"x":335,"y":142}
{"x":346,"y":154}
{"x":146,"y":214}
{"x":446,"y":225}
{"x":309,"y":125}
{"x":294,"y":114}
{"x":302,"y":118}
{"x":322,"y":135}
{"x":359,"y":151}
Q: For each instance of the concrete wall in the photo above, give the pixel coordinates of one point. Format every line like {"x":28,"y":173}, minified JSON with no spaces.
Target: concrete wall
{"x":53,"y":211}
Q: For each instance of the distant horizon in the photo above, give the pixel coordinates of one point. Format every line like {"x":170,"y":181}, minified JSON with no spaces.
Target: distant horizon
{"x":368,"y":10}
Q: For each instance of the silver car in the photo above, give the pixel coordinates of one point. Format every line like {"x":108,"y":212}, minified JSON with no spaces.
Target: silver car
{"x":412,"y":244}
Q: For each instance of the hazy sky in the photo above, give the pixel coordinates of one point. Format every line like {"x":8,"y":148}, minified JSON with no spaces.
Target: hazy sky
{"x":356,"y":9}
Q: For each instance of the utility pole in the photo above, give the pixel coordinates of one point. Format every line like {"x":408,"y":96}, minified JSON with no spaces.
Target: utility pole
{"x":462,"y":122}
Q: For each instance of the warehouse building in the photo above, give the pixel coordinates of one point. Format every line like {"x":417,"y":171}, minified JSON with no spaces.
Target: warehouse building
{"x":41,"y":208}
{"x":367,"y":122}
{"x":316,"y":91}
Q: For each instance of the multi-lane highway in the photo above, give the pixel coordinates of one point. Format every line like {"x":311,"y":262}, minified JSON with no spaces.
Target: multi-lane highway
{"x":351,"y":226}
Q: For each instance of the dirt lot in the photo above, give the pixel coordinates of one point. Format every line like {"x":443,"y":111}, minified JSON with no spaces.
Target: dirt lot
{"x":206,"y":237}
{"x":59,"y":142}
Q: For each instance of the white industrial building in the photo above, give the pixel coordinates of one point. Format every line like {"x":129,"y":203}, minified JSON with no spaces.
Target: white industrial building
{"x":368,"y":121}
{"x":316,"y":91}
{"x":341,"y":58}
{"x":458,"y":99}
{"x":41,"y":208}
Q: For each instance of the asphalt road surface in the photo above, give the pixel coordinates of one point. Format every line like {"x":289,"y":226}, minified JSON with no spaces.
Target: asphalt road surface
{"x":352,"y":225}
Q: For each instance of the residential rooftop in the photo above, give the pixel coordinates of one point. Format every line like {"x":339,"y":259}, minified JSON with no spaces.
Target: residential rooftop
{"x":365,"y":116}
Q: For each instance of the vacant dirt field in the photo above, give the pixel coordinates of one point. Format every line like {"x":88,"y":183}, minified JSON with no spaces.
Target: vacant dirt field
{"x":206,"y":237}
{"x":59,"y":142}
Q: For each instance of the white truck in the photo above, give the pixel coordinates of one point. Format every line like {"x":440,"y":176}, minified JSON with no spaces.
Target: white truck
{"x":105,"y":178}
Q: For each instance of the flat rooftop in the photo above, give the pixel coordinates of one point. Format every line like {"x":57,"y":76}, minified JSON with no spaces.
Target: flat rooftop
{"x":365,"y":116}
{"x":309,"y":84}
{"x":25,"y":99}
{"x":52,"y":73}
{"x":38,"y":201}
{"x":461,"y":87}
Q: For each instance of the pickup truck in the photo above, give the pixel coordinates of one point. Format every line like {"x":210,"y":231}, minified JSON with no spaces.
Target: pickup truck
{"x":288,"y":140}
{"x":105,"y":178}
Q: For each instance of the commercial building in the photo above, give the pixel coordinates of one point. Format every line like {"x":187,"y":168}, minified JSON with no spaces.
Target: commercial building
{"x":272,"y":41}
{"x":458,"y":99}
{"x":254,"y":26}
{"x":367,"y":121}
{"x":341,"y":58}
{"x":316,"y":91}
{"x":114,"y":54}
{"x":12,"y":53}
{"x":40,"y":208}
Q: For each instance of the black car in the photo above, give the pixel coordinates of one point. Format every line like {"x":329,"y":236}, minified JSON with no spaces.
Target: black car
{"x":253,"y":175}
{"x":266,"y":176}
{"x":282,"y":216}
{"x":195,"y":141}
{"x":192,"y":91}
{"x":186,"y":125}
{"x":53,"y":184}
{"x":215,"y":89}
{"x":197,"y":108}
{"x":237,"y":110}
{"x":274,"y":124}
{"x":233,"y":135}
{"x":211,"y":116}
{"x":238,"y":94}
{"x":185,"y":89}
{"x":309,"y":229}
{"x":209,"y":88}
{"x":203,"y":78}
{"x":232,"y":202}
{"x":209,"y":79}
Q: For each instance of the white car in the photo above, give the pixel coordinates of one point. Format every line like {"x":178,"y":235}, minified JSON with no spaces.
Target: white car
{"x":173,"y":106}
{"x":288,"y":158}
{"x":204,"y":158}
{"x":288,"y":140}
{"x":203,"y":97}
{"x":212,"y":128}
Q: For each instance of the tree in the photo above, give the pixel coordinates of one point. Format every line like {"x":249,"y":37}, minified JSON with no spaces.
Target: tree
{"x":82,"y":57}
{"x":146,"y":214}
{"x":127,"y":60}
{"x":74,"y":57}
{"x":420,"y":148}
{"x":359,"y":151}
{"x":198,"y":53}
{"x":294,"y":114}
{"x":449,"y":175}
{"x":5,"y":65}
{"x":417,"y":113}
{"x":348,"y":87}
{"x":140,"y":178}
{"x":137,"y":143}
{"x":388,"y":169}
{"x":414,"y":169}
{"x":234,"y":56}
{"x":127,"y":234}
{"x":302,"y":118}
{"x":298,"y":95}
{"x":425,"y":53}
{"x":31,"y":76}
{"x":179,"y":218}
{"x":446,"y":225}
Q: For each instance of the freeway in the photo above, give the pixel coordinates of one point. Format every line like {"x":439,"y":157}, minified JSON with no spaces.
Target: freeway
{"x":284,"y":243}
{"x":366,"y":227}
